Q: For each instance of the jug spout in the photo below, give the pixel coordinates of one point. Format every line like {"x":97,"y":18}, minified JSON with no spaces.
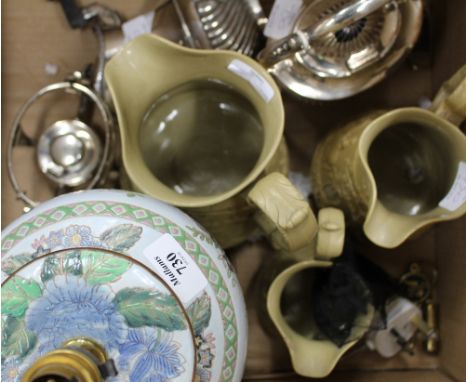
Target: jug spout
{"x":291,"y":290}
{"x":388,"y":229}
{"x":145,"y":68}
{"x":417,"y":165}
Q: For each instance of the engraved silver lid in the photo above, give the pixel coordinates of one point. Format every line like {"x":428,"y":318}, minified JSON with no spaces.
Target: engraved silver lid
{"x":341,"y":47}
{"x":352,"y":48}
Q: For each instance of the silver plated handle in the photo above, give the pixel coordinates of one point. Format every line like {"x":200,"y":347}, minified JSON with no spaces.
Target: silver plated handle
{"x":345,"y":17}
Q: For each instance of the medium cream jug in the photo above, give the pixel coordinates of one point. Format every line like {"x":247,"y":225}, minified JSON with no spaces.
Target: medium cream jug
{"x":287,"y":284}
{"x":149,"y":73}
{"x":395,"y":172}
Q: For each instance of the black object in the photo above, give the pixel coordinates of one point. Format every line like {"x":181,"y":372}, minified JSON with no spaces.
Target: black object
{"x":382,"y":285}
{"x":343,"y":292}
{"x":86,"y":107}
{"x":73,"y":13}
{"x":54,"y":378}
{"x":340,"y":296}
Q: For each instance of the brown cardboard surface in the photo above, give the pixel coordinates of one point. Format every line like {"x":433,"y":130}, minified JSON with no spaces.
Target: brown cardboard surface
{"x":451,"y":248}
{"x":353,"y":376}
{"x":450,"y":238}
{"x":35,"y":33}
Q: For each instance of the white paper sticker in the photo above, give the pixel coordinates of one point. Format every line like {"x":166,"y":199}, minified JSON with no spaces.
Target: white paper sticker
{"x":248,"y":73}
{"x":457,"y":194}
{"x":282,"y":18}
{"x":139,"y":25}
{"x":176,"y":267}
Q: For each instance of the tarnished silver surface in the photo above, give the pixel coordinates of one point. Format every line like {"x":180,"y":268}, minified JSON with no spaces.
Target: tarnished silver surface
{"x":341,"y":47}
{"x":68,"y":152}
{"x":208,"y":24}
{"x":67,"y":147}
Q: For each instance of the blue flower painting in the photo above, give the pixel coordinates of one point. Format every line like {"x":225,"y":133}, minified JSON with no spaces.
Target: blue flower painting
{"x":205,"y":356}
{"x":12,"y":368}
{"x":54,"y":240}
{"x":66,"y":310}
{"x":84,"y":293}
{"x":79,"y":236}
{"x":151,"y":356}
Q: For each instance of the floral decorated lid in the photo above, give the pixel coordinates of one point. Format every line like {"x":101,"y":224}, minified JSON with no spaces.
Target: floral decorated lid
{"x":101,"y":295}
{"x":147,"y":232}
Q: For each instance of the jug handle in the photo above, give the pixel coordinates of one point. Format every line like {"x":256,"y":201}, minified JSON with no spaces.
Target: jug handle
{"x":283,"y":213}
{"x":331,"y":233}
{"x":450,"y":101}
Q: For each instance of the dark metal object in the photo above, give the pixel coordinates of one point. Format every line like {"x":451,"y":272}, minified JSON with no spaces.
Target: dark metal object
{"x":415,"y":284}
{"x":407,"y":346}
{"x":419,"y":287}
{"x":73,"y":13}
{"x":80,"y":17}
{"x":431,"y":344}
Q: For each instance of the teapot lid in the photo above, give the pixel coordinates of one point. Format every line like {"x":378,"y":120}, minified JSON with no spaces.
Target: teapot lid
{"x":101,"y":295}
{"x":338,"y":48}
{"x":69,"y":152}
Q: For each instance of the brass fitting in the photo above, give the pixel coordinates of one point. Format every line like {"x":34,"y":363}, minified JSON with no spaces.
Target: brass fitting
{"x":78,"y":360}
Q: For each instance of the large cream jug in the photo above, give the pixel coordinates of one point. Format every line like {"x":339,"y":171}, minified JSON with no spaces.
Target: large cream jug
{"x":215,"y":144}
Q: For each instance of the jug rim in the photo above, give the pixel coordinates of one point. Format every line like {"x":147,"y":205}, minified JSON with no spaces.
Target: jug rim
{"x":147,"y":184}
{"x":295,"y":341}
{"x":410,"y":223}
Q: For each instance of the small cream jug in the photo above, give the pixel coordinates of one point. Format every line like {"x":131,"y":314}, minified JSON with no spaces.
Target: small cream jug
{"x":396,"y":172}
{"x":287,"y":282}
{"x":147,"y":69}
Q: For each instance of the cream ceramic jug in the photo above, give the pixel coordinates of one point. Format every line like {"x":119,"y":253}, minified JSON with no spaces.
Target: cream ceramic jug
{"x":148,"y":69}
{"x":287,"y":284}
{"x":395,"y":172}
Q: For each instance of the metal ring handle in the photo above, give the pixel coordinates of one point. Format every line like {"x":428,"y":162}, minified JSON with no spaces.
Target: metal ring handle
{"x":108,"y":124}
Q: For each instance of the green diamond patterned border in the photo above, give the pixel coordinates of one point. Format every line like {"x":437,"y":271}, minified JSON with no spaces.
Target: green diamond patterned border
{"x":149,"y":218}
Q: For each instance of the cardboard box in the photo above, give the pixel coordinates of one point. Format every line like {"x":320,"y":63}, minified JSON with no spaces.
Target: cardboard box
{"x":35,"y":34}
